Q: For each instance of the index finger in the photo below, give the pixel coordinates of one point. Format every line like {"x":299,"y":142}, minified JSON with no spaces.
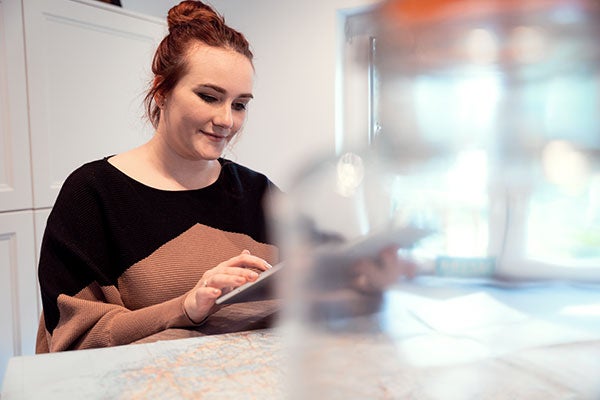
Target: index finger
{"x":247,"y":260}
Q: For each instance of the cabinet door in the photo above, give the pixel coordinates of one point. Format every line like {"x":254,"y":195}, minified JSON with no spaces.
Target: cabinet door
{"x":88,"y":66}
{"x":15,"y":177}
{"x":19,"y":304}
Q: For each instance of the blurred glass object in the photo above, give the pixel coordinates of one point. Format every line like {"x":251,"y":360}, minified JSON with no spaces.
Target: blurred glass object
{"x":483,"y":137}
{"x":499,"y":102}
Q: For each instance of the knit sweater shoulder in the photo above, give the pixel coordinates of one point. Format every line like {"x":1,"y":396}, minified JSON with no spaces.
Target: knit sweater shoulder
{"x":118,"y":257}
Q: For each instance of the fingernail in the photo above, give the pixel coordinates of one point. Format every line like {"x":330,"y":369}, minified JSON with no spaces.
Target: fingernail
{"x":245,"y":251}
{"x":268,"y":265}
{"x":253,"y":274}
{"x":216,"y":291}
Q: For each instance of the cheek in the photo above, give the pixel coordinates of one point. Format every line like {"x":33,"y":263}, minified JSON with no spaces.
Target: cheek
{"x":238,"y":122}
{"x":194,"y":119}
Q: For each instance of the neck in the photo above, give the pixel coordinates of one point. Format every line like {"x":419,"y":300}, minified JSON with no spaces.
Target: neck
{"x":180,"y":173}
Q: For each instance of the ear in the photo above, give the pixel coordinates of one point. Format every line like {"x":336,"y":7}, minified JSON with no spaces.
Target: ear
{"x":160,"y":100}
{"x":159,"y":96}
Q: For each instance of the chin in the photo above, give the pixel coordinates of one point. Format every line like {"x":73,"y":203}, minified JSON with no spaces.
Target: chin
{"x":211,"y":156}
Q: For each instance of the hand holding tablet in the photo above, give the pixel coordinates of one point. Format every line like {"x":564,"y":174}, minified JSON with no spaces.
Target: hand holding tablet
{"x":343,"y":255}
{"x":260,"y":289}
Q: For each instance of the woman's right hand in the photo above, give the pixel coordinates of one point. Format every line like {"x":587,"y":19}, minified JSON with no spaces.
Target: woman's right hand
{"x":229,"y":274}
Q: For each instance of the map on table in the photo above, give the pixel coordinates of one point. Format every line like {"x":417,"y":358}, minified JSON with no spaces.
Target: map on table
{"x":210,"y":367}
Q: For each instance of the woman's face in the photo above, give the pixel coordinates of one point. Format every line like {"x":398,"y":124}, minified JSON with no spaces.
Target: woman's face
{"x":207,"y":107}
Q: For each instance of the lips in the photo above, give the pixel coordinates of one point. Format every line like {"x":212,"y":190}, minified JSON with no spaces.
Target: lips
{"x":214,"y":136}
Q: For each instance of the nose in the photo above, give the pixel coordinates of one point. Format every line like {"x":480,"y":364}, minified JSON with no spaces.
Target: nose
{"x":223,"y":117}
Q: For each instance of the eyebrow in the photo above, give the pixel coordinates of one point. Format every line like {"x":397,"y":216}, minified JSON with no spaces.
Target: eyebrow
{"x":223,"y":91}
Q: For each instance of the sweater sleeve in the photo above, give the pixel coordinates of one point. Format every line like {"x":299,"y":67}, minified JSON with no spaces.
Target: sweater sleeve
{"x":82,"y":304}
{"x":88,"y":322}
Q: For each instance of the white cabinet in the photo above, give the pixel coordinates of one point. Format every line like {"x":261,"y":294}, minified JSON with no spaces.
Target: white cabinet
{"x":73,"y":74}
{"x":19,"y":295}
{"x":88,"y":65}
{"x":15,"y":180}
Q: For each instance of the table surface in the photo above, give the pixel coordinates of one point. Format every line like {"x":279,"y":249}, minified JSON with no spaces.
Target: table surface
{"x":545,"y":346}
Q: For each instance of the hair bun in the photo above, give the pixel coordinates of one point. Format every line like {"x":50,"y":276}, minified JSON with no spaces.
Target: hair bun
{"x":192,"y":12}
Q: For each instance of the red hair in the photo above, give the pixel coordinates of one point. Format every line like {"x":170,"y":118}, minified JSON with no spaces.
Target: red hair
{"x":189,"y":22}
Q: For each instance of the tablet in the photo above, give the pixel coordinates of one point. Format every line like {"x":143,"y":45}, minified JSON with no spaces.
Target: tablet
{"x":367,"y":246}
{"x":263,"y":288}
{"x":371,"y":244}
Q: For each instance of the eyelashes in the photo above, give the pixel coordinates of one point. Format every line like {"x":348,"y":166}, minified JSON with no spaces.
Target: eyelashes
{"x":207,"y":98}
{"x":238,"y":106}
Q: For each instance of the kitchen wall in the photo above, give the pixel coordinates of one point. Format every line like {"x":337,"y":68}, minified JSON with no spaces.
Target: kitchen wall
{"x":294,"y":117}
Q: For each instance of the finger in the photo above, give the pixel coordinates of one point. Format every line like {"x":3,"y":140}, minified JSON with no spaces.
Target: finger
{"x":377,"y":275}
{"x":362,"y":280}
{"x":222,"y":280}
{"x":247,"y":273}
{"x":369,"y":276}
{"x":209,"y":293}
{"x":199,"y":302}
{"x":247,"y":260}
{"x":388,"y":255}
{"x":396,"y":264}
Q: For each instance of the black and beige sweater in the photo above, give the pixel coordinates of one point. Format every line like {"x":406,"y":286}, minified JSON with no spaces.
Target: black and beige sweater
{"x":118,"y":256}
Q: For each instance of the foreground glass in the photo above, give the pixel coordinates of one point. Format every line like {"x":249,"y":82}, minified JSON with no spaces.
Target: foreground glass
{"x":490,"y":108}
{"x":486,"y":165}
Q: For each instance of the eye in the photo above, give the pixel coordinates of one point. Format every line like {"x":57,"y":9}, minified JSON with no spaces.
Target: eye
{"x":208,"y":98}
{"x":239,"y":106}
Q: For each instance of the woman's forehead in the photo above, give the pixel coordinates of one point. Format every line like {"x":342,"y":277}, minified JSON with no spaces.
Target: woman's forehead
{"x":218,"y":65}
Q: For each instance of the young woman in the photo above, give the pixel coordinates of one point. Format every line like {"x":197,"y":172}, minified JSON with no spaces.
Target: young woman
{"x":146,"y":240}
